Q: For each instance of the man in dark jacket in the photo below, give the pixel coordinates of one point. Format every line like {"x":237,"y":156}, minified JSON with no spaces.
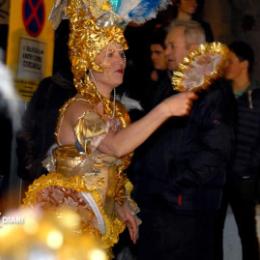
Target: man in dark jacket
{"x":240,"y":189}
{"x":182,"y":172}
{"x":40,"y":119}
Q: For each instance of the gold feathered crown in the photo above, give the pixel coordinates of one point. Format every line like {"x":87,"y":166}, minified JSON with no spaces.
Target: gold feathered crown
{"x":96,"y":23}
{"x":87,"y":37}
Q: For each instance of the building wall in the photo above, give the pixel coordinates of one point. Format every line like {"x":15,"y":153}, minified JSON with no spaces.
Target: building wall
{"x":217,"y":13}
{"x":246,"y":26}
{"x":236,"y":20}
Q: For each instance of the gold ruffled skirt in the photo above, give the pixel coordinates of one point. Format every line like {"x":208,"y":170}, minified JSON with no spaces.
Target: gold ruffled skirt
{"x":64,"y":188}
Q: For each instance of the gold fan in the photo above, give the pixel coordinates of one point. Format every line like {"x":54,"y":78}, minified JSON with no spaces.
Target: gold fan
{"x":200,"y":67}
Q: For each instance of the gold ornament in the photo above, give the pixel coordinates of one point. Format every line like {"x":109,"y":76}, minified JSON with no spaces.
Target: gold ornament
{"x":200,"y":67}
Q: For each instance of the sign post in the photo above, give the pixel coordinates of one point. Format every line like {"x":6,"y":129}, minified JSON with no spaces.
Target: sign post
{"x":30,"y":44}
{"x":30,"y":58}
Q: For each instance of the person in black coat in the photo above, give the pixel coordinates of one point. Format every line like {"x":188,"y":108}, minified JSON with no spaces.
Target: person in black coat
{"x":40,"y":118}
{"x":39,"y":123}
{"x":180,"y":176}
{"x":5,"y":151}
{"x":240,"y":189}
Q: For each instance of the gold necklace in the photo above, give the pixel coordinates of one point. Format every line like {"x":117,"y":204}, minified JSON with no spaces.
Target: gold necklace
{"x":88,"y":90}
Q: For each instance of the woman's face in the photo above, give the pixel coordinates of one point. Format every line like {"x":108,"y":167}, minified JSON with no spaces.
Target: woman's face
{"x":112,"y":60}
{"x":188,"y":6}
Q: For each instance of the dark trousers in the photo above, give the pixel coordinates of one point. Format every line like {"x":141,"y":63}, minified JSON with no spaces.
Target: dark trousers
{"x":240,"y":195}
{"x":165,"y":235}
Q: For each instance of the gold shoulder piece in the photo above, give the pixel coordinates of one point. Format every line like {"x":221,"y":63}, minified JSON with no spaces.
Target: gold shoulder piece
{"x":89,"y":125}
{"x":62,"y":111}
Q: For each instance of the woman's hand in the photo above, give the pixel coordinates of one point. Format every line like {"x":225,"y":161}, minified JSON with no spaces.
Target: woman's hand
{"x":129,"y":218}
{"x":180,"y":104}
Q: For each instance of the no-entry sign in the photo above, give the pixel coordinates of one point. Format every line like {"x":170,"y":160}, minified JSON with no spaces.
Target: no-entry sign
{"x":33,"y":12}
{"x":30,"y":44}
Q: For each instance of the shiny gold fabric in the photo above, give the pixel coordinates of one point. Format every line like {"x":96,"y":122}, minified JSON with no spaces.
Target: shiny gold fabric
{"x":90,"y":125}
{"x":87,"y":170}
{"x":80,"y":169}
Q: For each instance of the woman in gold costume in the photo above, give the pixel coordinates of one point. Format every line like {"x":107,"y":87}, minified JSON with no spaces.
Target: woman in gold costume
{"x":94,"y":137}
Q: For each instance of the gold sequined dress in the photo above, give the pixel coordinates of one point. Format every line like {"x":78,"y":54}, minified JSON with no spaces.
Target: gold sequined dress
{"x":84,"y":179}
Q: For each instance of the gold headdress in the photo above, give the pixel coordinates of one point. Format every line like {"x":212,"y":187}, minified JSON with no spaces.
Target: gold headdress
{"x":96,"y":23}
{"x":88,"y":38}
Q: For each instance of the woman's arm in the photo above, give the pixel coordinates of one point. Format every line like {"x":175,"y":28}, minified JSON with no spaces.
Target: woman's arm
{"x":128,"y":139}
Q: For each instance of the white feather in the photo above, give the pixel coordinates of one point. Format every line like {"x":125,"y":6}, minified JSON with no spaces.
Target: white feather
{"x":57,"y":13}
{"x":130,"y":103}
{"x":10,"y":98}
{"x":126,"y":7}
